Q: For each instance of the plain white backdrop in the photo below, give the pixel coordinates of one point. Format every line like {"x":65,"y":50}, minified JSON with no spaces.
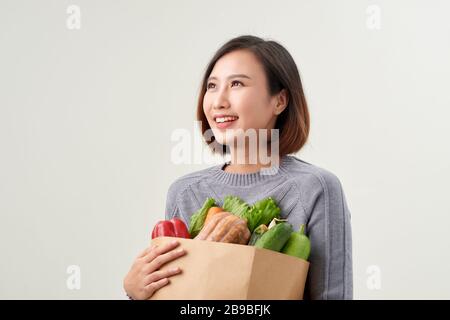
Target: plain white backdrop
{"x":86,"y":117}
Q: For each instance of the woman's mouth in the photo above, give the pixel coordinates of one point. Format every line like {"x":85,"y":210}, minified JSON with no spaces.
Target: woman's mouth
{"x":225,"y":122}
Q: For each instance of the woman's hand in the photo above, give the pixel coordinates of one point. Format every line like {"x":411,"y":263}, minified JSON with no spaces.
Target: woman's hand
{"x":144,"y":277}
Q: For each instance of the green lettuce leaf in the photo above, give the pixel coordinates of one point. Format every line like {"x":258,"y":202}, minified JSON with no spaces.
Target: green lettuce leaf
{"x":263,"y":212}
{"x":198,"y":219}
{"x":236,"y":206}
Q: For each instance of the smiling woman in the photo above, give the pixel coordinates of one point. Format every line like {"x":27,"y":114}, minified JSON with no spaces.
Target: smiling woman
{"x":254,"y":85}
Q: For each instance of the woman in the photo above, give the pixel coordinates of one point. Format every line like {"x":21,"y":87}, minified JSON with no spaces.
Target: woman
{"x":254,"y":84}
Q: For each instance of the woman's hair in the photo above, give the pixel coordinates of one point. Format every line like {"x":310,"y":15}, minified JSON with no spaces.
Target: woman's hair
{"x":281,"y":73}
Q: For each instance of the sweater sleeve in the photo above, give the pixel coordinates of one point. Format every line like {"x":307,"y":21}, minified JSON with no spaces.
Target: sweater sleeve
{"x":172,"y":208}
{"x":328,"y":227}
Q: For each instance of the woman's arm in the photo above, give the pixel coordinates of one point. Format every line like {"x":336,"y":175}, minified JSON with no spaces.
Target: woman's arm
{"x":329,"y":229}
{"x":172,"y":210}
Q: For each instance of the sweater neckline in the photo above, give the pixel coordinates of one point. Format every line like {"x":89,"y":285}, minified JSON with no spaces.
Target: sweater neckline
{"x":246,"y":179}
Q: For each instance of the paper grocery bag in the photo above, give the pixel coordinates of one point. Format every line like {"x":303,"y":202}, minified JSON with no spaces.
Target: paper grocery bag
{"x":224,"y":271}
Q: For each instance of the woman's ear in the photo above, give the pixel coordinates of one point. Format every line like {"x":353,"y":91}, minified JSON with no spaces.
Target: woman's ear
{"x":282,"y":101}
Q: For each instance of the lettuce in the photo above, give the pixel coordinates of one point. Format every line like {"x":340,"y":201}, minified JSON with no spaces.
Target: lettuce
{"x":198,"y":219}
{"x":261,"y":212}
{"x":236,"y":206}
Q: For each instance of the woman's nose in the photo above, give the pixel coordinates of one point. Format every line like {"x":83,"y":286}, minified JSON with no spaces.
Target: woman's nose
{"x":221,"y":101}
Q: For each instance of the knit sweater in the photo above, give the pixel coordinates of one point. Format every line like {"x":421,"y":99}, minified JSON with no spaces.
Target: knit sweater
{"x":305,"y":193}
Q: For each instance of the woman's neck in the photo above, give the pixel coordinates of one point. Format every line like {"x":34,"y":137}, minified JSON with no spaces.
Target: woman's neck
{"x":245,"y":164}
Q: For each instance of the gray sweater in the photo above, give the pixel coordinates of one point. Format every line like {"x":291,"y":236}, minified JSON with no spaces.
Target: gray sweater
{"x":305,"y":193}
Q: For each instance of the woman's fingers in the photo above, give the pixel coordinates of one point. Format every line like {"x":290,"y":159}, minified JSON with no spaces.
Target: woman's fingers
{"x":162,"y":259}
{"x":160,"y":249}
{"x":152,"y":287}
{"x":161,"y":274}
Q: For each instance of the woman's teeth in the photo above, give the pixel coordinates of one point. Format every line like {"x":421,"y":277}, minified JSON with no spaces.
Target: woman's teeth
{"x":225,"y":119}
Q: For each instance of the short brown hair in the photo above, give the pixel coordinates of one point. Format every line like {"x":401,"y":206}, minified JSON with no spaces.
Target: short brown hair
{"x":282,"y":73}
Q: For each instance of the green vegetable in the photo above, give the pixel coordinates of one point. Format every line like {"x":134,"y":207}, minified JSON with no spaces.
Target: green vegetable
{"x":276,"y":237}
{"x":198,"y":218}
{"x":239,"y":208}
{"x":257,"y":233}
{"x":261,"y":212}
{"x":276,"y":221}
{"x":298,"y":244}
{"x":236,"y":206}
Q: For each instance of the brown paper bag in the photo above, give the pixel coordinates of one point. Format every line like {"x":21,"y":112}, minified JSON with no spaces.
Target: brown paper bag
{"x":224,"y":271}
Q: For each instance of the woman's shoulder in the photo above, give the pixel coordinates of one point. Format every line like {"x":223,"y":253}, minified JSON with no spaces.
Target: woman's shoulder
{"x":318,"y":183}
{"x":182,"y":183}
{"x":311,"y":176}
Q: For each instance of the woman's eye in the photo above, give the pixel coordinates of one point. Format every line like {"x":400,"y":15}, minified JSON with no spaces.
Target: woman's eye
{"x":209,"y":85}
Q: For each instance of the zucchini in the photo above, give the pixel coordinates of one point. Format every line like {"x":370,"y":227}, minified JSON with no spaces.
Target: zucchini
{"x":276,"y":237}
{"x":257,"y":233}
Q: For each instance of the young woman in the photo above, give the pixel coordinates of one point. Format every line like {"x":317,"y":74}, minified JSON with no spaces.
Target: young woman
{"x":254,"y":84}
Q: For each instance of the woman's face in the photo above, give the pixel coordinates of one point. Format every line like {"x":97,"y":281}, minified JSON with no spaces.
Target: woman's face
{"x":237,"y":87}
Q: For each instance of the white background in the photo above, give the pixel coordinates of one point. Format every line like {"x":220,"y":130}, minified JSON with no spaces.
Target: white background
{"x":86,"y":118}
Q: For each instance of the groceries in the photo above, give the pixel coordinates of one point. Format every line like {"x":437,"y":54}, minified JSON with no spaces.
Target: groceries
{"x":257,"y":233}
{"x":170,"y":228}
{"x":261,"y":212}
{"x":298,"y":244}
{"x":276,"y":237}
{"x":256,"y":253}
{"x":225,"y":227}
{"x":257,"y":225}
{"x":198,"y":218}
{"x":211,"y":212}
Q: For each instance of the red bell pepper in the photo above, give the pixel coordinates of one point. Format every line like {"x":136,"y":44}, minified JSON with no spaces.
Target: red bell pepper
{"x":171,"y":228}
